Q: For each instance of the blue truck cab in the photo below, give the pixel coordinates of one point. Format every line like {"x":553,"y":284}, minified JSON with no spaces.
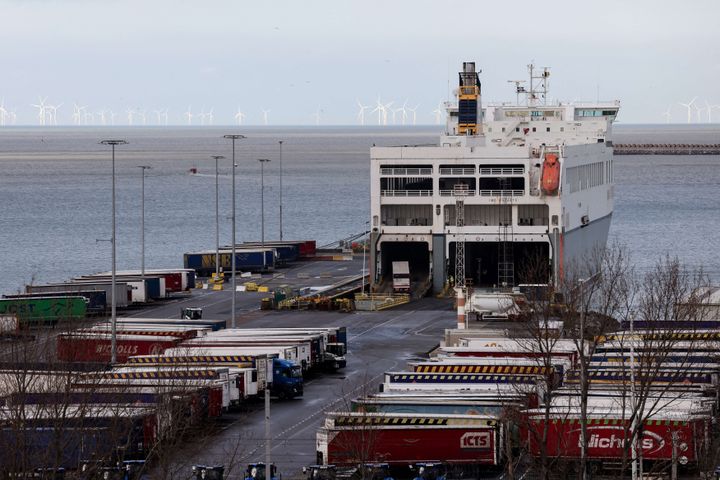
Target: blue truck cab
{"x":256,"y":471}
{"x":287,"y":379}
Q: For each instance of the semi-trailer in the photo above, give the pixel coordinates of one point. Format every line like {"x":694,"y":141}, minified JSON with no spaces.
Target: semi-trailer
{"x":309,"y":351}
{"x":142,"y":289}
{"x":87,"y":431}
{"x":246,"y":259}
{"x":47,"y":310}
{"x":213,"y":324}
{"x":176,"y":279}
{"x":122,"y":290}
{"x":405,"y":439}
{"x":96,"y":347}
{"x":663,"y":437}
{"x":285,"y":377}
{"x":97,"y":301}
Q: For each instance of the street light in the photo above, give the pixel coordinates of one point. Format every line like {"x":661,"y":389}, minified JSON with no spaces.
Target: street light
{"x":217,"y":216}
{"x":142,"y":221}
{"x":262,"y":161}
{"x":113,"y":300}
{"x":232,"y":261}
{"x":281,"y":191}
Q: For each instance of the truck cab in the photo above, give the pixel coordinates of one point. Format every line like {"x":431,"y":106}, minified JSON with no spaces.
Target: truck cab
{"x":320,"y":472}
{"x":287,"y":379}
{"x":191,"y":313}
{"x":375,"y":471}
{"x":401,"y":277}
{"x":207,"y":472}
{"x":430,"y":471}
{"x":335,"y":356}
{"x":256,"y":471}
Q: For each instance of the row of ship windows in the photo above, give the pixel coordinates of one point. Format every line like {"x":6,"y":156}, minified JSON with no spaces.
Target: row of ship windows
{"x":587,"y":176}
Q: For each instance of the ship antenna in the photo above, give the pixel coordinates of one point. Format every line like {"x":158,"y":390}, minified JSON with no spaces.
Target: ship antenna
{"x":519,"y":88}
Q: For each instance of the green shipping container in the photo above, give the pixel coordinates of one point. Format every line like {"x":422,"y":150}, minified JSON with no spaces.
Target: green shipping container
{"x":44,"y":310}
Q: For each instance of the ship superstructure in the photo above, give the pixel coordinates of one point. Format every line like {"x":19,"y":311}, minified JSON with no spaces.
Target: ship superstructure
{"x":530,"y":180}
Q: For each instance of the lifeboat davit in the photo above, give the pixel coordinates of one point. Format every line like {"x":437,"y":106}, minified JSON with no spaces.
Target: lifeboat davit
{"x":550,"y":179}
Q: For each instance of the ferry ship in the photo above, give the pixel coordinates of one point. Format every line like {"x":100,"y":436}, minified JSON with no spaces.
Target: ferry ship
{"x":506,"y":185}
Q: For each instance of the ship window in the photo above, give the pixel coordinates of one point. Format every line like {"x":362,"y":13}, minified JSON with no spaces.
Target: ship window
{"x":503,"y":129}
{"x":547,"y":129}
{"x":517,"y":129}
{"x":554,"y":220}
{"x":562,"y":129}
{"x":534,"y":129}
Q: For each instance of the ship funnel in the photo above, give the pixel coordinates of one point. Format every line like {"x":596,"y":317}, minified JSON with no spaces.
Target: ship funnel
{"x":469,"y":101}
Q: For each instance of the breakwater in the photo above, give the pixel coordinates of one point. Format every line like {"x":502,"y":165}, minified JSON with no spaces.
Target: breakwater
{"x":666,"y":149}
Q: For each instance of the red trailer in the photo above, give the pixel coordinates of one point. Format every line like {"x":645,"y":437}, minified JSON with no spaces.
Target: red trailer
{"x":607,"y":434}
{"x":406,"y":439}
{"x":90,"y":347}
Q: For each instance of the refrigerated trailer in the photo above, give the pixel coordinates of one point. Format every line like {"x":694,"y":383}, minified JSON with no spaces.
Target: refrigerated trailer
{"x":406,"y":439}
{"x":92,"y":347}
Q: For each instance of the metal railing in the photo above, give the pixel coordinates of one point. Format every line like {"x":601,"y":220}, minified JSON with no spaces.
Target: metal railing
{"x":406,"y":171}
{"x":502,"y":170}
{"x":502,"y":193}
{"x":406,"y":193}
{"x":457,"y":170}
{"x":452,"y":193}
{"x":379,"y":301}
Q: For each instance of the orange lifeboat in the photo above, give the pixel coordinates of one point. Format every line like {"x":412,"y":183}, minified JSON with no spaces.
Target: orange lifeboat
{"x":550,"y":179}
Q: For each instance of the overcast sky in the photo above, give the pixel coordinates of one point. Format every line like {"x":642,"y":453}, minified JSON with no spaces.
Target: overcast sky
{"x":295,"y":57}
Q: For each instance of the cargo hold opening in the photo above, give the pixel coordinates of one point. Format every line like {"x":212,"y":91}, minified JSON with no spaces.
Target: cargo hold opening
{"x":417,"y":254}
{"x":531,"y":262}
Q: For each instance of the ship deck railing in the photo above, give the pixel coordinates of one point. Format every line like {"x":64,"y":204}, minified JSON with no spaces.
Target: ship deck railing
{"x":452,"y":193}
{"x":502,"y":193}
{"x":502,"y":170}
{"x":406,"y":171}
{"x":457,"y":170}
{"x":406,"y":193}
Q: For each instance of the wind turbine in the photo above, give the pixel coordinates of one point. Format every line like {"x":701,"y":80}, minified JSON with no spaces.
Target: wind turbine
{"x":143,"y":117}
{"x":438,"y":114}
{"x":53,"y":113}
{"x":361,"y":112}
{"x":667,"y":115}
{"x":101,"y":114}
{"x":210,"y":117}
{"x":689,"y":107}
{"x":188,"y":115}
{"x":42,"y":113}
{"x":202,"y":116}
{"x":317,"y":115}
{"x":77,"y":114}
{"x":698,"y":113}
{"x":379,"y":109}
{"x":3,"y":113}
{"x":112,"y":117}
{"x":414,"y":113}
{"x":715,"y":106}
{"x":239,"y":116}
{"x":265,"y":116}
{"x":709,"y":108}
{"x":130,"y":113}
{"x":403,"y":109}
{"x":386,"y":108}
{"x":158,"y":116}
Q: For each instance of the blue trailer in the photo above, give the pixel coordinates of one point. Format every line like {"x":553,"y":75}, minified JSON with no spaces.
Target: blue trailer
{"x":286,"y":251}
{"x":246,"y":259}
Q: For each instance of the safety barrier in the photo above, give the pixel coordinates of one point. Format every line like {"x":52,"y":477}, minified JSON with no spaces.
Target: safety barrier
{"x":377,"y":301}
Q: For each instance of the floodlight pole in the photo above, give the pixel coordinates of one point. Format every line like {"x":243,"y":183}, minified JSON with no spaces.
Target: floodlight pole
{"x":281,"y":191}
{"x":142,"y":221}
{"x":113,"y":300}
{"x":217,"y":216}
{"x":262,"y":161}
{"x":232,"y":260}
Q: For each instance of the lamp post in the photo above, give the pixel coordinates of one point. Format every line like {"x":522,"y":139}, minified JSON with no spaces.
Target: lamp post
{"x":281,"y":191}
{"x":217,"y":216}
{"x":262,"y":161}
{"x":113,"y":300}
{"x":232,"y":261}
{"x":142,"y":220}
